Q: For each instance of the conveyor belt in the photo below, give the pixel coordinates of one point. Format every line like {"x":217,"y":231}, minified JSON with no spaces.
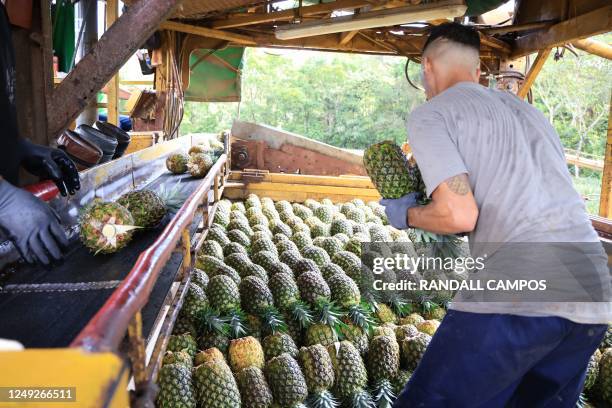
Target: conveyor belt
{"x":54,"y":318}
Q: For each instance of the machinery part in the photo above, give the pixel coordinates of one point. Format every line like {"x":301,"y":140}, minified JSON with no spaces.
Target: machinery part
{"x":59,"y":287}
{"x":240,"y":157}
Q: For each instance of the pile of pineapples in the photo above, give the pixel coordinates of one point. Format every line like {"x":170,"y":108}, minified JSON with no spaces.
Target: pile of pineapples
{"x":279,"y":313}
{"x":199,"y":160}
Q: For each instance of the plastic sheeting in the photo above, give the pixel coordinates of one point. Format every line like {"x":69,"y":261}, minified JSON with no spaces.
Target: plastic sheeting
{"x":215,"y":75}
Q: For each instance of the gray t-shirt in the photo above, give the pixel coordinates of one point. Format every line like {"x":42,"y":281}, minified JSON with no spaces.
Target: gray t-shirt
{"x":517,"y":171}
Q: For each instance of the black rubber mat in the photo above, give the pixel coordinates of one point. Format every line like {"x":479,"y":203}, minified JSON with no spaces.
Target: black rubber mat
{"x":53,"y":319}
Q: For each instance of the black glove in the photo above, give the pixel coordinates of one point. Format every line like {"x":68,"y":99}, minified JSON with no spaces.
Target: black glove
{"x":49,"y":163}
{"x":31,"y":225}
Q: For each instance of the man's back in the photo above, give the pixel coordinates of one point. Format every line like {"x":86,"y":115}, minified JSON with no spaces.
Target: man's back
{"x":514,"y":160}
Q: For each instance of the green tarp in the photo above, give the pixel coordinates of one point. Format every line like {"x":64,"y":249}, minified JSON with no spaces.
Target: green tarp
{"x":214,"y":75}
{"x":63,"y":34}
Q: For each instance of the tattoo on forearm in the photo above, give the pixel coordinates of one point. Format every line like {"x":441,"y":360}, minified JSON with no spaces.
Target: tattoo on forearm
{"x":459,"y":184}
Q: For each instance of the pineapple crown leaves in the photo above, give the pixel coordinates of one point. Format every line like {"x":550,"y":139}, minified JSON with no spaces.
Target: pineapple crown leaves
{"x":236,"y":325}
{"x":209,"y":320}
{"x":328,"y":313}
{"x":173,"y":197}
{"x":400,"y":307}
{"x":301,"y":313}
{"x":360,"y":316}
{"x":323,"y":399}
{"x":383,"y":394}
{"x":271,"y":320}
{"x":362,"y":399}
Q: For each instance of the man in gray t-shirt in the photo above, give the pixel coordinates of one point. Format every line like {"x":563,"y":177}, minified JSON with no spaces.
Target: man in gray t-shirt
{"x":494,"y":168}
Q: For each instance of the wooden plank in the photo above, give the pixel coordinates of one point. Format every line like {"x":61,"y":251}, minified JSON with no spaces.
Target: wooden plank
{"x":533,"y":72}
{"x":594,"y":47}
{"x":605,"y":200}
{"x":586,"y":25}
{"x":332,"y":181}
{"x":112,"y":12}
{"x":286,"y":187}
{"x":289,"y":14}
{"x":494,"y":43}
{"x":109,"y":54}
{"x":346,"y":37}
{"x":293,"y":196}
{"x":207,"y":32}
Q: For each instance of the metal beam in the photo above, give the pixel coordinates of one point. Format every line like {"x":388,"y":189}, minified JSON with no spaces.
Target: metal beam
{"x":207,"y":32}
{"x":594,"y":47}
{"x":533,"y":72}
{"x":289,"y":14}
{"x":110,"y":53}
{"x":586,"y":25}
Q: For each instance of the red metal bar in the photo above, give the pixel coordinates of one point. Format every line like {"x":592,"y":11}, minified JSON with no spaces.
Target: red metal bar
{"x":45,"y":190}
{"x":108,"y":326}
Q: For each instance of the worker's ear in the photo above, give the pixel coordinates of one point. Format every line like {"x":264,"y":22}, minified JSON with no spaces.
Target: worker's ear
{"x":477,"y":74}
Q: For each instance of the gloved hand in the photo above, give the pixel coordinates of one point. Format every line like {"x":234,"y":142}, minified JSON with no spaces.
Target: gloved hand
{"x":397,"y":209}
{"x":49,"y":163}
{"x":31,"y":225}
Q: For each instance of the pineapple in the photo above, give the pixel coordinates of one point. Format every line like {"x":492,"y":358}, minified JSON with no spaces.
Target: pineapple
{"x":435,"y":313}
{"x":331,"y":245}
{"x":280,"y":267}
{"x":286,"y":381}
{"x":319,"y":374}
{"x":412,"y":318}
{"x":200,"y":278}
{"x":383,"y":358}
{"x":356,"y":335}
{"x":405,"y":331}
{"x":211,"y":248}
{"x":223,"y":293}
{"x":264,"y":244}
{"x":290,"y":258}
{"x":106,"y":227}
{"x":177,"y":163}
{"x":245,"y":352}
{"x":320,"y":333}
{"x":238,"y":237}
{"x":312,"y":287}
{"x":391,"y":172}
{"x":195,"y":301}
{"x":254,"y":389}
{"x":210,"y":354}
{"x":255,"y":295}
{"x":284,"y":290}
{"x":317,"y":254}
{"x":199,"y":164}
{"x":329,"y":270}
{"x":305,"y":265}
{"x":605,"y":376}
{"x":592,"y":370}
{"x":146,"y":207}
{"x":428,"y":326}
{"x":182,"y":342}
{"x":344,"y":291}
{"x":234,"y":248}
{"x":400,"y":381}
{"x":175,"y":389}
{"x":178,"y":357}
{"x":215,"y":385}
{"x":278,"y":343}
{"x":240,"y":262}
{"x":301,"y":239}
{"x":385,"y":314}
{"x":217,"y":233}
{"x":350,"y":264}
{"x":351,"y":378}
{"x":341,"y":226}
{"x":265,"y":259}
{"x":413,"y":349}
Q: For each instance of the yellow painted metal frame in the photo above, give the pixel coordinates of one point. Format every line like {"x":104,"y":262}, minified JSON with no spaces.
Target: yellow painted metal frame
{"x":298,"y":187}
{"x":100,"y":379}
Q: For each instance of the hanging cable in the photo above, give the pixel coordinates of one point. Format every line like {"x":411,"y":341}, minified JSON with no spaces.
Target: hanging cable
{"x":408,"y":76}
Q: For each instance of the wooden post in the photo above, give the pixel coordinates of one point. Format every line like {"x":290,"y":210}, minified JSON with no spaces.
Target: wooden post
{"x":605,"y":202}
{"x":137,"y":351}
{"x":186,"y":246}
{"x":533,"y":72}
{"x":112,"y":12}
